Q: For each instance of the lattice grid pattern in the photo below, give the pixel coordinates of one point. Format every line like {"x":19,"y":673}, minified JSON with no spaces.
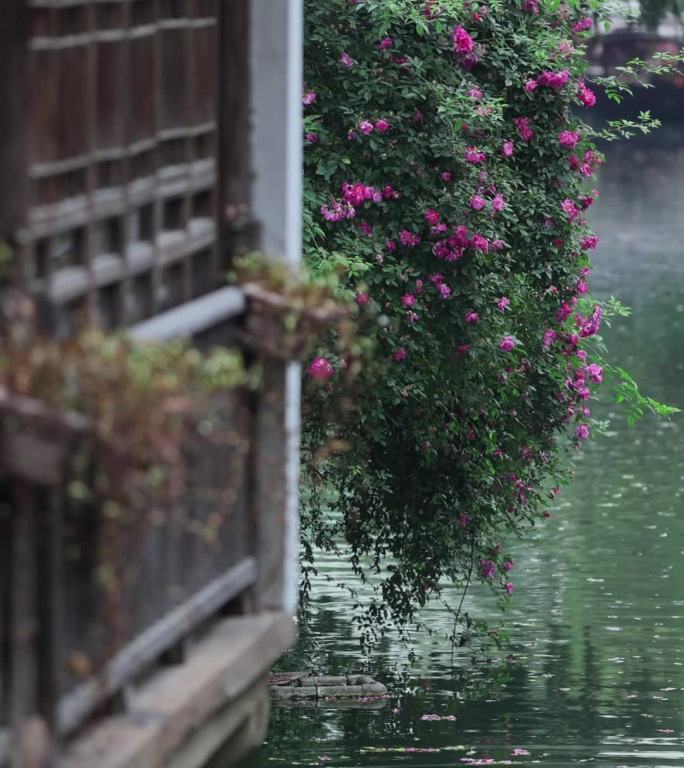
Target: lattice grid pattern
{"x":123,"y":146}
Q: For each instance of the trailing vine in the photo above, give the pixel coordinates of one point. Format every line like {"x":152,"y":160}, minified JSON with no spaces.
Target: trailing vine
{"x":448,"y":174}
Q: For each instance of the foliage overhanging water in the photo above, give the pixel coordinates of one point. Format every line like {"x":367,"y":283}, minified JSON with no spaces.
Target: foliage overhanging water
{"x":596,"y":672}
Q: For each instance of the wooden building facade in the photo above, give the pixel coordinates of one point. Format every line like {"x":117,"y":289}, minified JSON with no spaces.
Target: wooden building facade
{"x":142,"y":144}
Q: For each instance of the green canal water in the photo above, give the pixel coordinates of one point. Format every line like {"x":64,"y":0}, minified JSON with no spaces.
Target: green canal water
{"x":595,"y":673}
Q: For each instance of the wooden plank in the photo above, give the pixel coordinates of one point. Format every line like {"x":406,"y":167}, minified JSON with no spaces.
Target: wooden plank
{"x":31,"y":408}
{"x":34,"y":438}
{"x":183,"y":714}
{"x":192,"y":318}
{"x":171,"y":247}
{"x":224,"y":739}
{"x":31,"y":458}
{"x":75,"y":707}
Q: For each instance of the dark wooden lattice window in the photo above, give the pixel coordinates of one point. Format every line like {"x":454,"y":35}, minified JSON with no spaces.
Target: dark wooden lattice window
{"x":124,"y":105}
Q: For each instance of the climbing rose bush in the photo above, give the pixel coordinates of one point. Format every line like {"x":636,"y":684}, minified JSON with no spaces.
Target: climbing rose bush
{"x":448,"y":174}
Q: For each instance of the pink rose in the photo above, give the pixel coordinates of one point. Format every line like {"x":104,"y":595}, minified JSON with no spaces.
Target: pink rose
{"x":346,"y":60}
{"x":320,"y":369}
{"x":477,"y":202}
{"x":463,"y":42}
{"x":507,"y":344}
{"x":569,"y":139}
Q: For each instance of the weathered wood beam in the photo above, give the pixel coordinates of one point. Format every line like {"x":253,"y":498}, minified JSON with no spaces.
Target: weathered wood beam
{"x":152,"y":643}
{"x":183,"y":714}
{"x":193,"y":318}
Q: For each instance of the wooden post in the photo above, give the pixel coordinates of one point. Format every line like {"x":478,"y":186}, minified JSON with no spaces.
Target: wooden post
{"x":5,"y":606}
{"x":235,"y":217}
{"x":50,"y":612}
{"x":29,"y":740}
{"x":275,"y":33}
{"x":33,"y":451}
{"x":13,"y":126}
{"x":270,"y":489}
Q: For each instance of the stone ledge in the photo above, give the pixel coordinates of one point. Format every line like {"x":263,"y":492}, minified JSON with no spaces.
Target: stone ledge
{"x":183,"y":715}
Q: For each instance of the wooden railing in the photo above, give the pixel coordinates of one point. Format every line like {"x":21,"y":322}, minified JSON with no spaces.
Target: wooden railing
{"x":125,"y":165}
{"x":89,"y":602}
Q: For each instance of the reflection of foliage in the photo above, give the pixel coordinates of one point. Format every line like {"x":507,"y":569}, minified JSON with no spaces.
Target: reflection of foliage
{"x":653,"y":12}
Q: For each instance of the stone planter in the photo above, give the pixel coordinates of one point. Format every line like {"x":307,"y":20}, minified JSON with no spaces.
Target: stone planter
{"x":283,"y":327}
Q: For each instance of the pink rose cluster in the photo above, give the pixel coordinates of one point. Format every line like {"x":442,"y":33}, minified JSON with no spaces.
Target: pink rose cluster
{"x":337,"y":210}
{"x":474,"y":156}
{"x":570,"y":209}
{"x":569,"y":139}
{"x":453,"y":247}
{"x":464,"y":47}
{"x":354,"y":196}
{"x":579,"y":378}
{"x":409,"y":239}
{"x":358,"y":193}
{"x":582,"y":25}
{"x":523,"y":127}
{"x":591,"y":325}
{"x":554,"y":80}
{"x":479,"y":203}
{"x":585,"y":94}
{"x":588,"y":164}
{"x":366,"y":127}
{"x":489,"y":571}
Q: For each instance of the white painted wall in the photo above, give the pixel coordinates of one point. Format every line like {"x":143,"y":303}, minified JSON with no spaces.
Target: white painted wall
{"x":276,"y":28}
{"x":276,"y":71}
